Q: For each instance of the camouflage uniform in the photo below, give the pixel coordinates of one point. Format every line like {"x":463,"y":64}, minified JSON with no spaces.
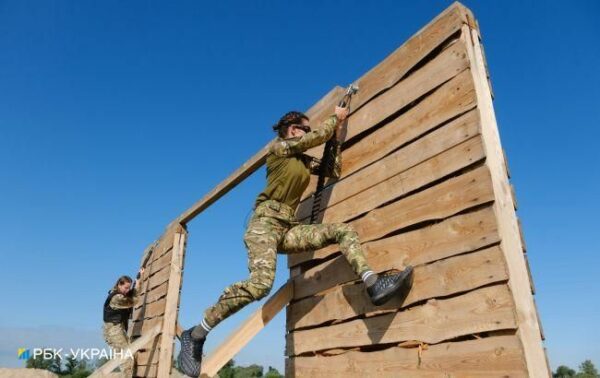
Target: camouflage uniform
{"x":273,"y":226}
{"x":115,"y":334}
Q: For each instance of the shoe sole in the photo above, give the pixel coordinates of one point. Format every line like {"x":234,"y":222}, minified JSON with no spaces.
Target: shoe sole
{"x":188,"y":365}
{"x":401,"y":288}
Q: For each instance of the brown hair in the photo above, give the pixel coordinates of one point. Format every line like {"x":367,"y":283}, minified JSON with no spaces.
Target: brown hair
{"x":288,"y":119}
{"x":121,"y":281}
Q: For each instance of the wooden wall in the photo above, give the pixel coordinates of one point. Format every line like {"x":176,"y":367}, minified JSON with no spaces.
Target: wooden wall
{"x":157,"y":303}
{"x":424,"y":182}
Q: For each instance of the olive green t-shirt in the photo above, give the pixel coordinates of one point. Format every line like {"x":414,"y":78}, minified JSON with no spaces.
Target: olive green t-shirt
{"x":289,"y":169}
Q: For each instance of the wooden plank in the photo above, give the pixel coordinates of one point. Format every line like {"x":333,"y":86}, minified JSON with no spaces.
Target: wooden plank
{"x":148,"y":356}
{"x":319,"y":112}
{"x":453,"y":98}
{"x":440,"y":153}
{"x":438,"y":279}
{"x":461,"y":233}
{"x":404,"y":58}
{"x":158,"y":274}
{"x":410,"y":53}
{"x":152,"y":295}
{"x":324,"y":276}
{"x":146,"y":371}
{"x":150,"y":310}
{"x":438,"y":202}
{"x":108,"y":367}
{"x":529,"y":329}
{"x":487,"y":309}
{"x":251,"y":326}
{"x":172,"y":304}
{"x":444,"y":67}
{"x":500,"y":356}
{"x":157,"y":279}
{"x":140,"y":328}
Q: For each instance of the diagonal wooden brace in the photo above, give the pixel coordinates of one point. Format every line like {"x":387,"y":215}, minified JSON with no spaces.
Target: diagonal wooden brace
{"x":250,"y":328}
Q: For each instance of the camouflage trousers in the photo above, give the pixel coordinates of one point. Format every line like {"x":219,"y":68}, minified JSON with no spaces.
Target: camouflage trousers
{"x":272,"y":228}
{"x":116,"y":337}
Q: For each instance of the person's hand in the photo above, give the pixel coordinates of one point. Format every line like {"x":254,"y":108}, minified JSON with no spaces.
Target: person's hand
{"x":341,"y":113}
{"x":141,"y":271}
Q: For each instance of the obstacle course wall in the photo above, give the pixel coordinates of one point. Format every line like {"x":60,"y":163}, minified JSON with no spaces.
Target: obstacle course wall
{"x":424,"y":182}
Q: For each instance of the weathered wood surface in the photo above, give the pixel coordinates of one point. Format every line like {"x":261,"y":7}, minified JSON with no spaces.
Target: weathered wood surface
{"x":440,"y":140}
{"x":441,"y":165}
{"x":146,"y":371}
{"x":466,"y":229}
{"x":483,"y":310}
{"x":450,"y":100}
{"x":387,"y":254}
{"x":438,"y":279}
{"x":500,"y":356}
{"x":527,"y":318}
{"x":438,"y":202}
{"x":172,"y":303}
{"x":444,"y":67}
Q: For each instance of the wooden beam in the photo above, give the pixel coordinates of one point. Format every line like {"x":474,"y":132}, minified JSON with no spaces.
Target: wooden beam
{"x":318,"y":112}
{"x":436,"y":203}
{"x":392,"y":170}
{"x":483,"y":310}
{"x":172,"y":305}
{"x":432,"y":280}
{"x":444,"y":67}
{"x":111,"y":365}
{"x":499,"y":356}
{"x":453,"y":98}
{"x":527,"y":319}
{"x":251,"y":326}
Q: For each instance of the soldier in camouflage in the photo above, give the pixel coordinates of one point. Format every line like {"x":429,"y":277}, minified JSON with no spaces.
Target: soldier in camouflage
{"x":273,"y":228}
{"x":116,"y":312}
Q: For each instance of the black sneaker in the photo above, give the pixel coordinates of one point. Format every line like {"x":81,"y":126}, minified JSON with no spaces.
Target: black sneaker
{"x":391,"y":285}
{"x":190,"y":356}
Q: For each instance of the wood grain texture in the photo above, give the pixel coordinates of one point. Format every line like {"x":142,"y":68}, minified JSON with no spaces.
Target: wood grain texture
{"x":500,"y":356}
{"x":444,"y":67}
{"x":172,"y":304}
{"x":438,"y":279}
{"x":450,"y":100}
{"x":528,"y":321}
{"x":438,"y":202}
{"x":486,"y":309}
{"x":459,"y":233}
{"x":442,"y":164}
{"x":442,"y":139}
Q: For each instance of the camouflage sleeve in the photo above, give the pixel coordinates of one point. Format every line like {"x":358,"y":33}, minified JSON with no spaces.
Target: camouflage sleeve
{"x":333,"y":156}
{"x":284,"y":148}
{"x":120,"y":301}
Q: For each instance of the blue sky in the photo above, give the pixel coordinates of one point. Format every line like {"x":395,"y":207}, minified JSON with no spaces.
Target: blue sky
{"x":116,"y":116}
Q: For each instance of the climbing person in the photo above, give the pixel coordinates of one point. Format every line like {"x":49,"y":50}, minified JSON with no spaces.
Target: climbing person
{"x":273,"y":228}
{"x":116,"y":312}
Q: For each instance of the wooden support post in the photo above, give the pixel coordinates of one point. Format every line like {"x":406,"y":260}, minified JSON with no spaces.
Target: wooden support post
{"x":324,"y":106}
{"x":527,"y":319}
{"x":172,"y":304}
{"x":240,"y":337}
{"x":111,"y":365}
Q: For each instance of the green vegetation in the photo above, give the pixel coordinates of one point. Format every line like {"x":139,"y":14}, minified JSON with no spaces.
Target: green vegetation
{"x":586,"y":370}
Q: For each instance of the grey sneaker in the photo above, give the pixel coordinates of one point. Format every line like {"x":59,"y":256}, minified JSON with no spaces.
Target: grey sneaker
{"x":190,"y":356}
{"x":391,"y":285}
